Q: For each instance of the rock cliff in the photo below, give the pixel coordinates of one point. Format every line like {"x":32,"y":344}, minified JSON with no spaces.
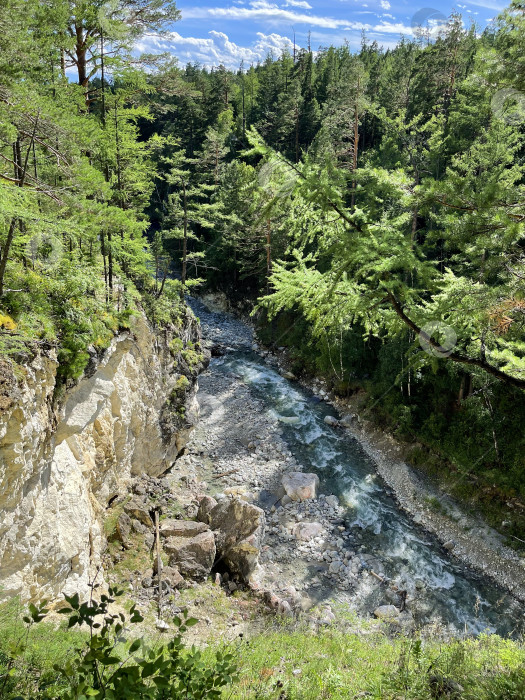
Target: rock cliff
{"x":61,"y":465}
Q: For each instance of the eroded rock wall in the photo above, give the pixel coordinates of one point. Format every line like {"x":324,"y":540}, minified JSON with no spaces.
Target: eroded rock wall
{"x":59,"y":467}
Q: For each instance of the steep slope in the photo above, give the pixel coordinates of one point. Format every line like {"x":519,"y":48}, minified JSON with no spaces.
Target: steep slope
{"x":131,"y":413}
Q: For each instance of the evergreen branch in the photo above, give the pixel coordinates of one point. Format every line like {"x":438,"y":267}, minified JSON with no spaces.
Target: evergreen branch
{"x":455,"y":356}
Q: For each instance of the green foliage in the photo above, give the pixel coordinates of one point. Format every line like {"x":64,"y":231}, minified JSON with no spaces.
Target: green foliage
{"x":179,"y":390}
{"x":110,"y":665}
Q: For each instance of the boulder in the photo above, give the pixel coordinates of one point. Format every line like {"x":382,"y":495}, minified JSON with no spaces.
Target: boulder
{"x":290,"y":376}
{"x":348,"y":420}
{"x":331,"y":420}
{"x":137,"y":509}
{"x":206,"y":505}
{"x":181,"y":528}
{"x":387,"y":612}
{"x":123,"y":528}
{"x":299,"y":486}
{"x":307,"y":531}
{"x":239,"y":530}
{"x":193,"y":556}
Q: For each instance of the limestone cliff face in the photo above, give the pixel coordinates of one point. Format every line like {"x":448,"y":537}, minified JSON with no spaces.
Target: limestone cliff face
{"x":59,"y":467}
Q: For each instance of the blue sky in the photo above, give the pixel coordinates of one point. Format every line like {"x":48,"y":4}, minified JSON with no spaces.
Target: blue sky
{"x":228,"y":31}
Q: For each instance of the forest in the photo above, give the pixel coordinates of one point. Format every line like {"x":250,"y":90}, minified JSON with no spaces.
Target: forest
{"x":366,"y":206}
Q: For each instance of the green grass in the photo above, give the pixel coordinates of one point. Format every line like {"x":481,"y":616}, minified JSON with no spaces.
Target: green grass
{"x":46,"y":645}
{"x":291,"y":662}
{"x":334,"y":664}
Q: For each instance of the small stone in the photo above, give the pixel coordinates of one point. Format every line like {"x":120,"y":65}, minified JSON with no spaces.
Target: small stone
{"x":334,"y":567}
{"x":307,"y":531}
{"x":138,"y":527}
{"x":284,"y":608}
{"x":348,"y":420}
{"x":161,"y":625}
{"x":386,"y":612}
{"x":194,"y":556}
{"x":449,"y":546}
{"x":172,"y":576}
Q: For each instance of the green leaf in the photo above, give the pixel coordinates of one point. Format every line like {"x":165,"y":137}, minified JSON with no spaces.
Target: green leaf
{"x":135,"y":645}
{"x":73,"y":601}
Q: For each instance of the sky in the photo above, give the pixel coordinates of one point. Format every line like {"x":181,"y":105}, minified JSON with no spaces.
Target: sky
{"x":212,"y":32}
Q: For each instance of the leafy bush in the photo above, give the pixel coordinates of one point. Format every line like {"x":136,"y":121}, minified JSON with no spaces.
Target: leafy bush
{"x":111,"y":666}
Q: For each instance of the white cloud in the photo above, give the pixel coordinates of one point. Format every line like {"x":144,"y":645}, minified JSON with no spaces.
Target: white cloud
{"x":216,"y":50}
{"x":298,"y":3}
{"x":261,"y":11}
{"x":489,"y":5}
{"x":385,"y":4}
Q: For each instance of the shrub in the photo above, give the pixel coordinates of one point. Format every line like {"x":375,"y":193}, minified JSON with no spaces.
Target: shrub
{"x":110,"y":666}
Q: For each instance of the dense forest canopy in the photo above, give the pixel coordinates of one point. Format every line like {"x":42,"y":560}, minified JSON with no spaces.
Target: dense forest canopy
{"x":370,"y":202}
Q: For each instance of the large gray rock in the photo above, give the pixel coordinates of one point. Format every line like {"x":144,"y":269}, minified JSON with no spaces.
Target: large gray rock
{"x":181,"y":528}
{"x":193,"y":556}
{"x":299,"y":486}
{"x":239,"y":530}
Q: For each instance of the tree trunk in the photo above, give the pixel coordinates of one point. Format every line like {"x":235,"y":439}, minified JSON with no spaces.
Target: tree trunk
{"x":20,"y":174}
{"x":356,"y":144}
{"x":3,"y":260}
{"x":110,"y":265}
{"x":103,"y":80}
{"x":268,"y":254}
{"x":185,"y":240}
